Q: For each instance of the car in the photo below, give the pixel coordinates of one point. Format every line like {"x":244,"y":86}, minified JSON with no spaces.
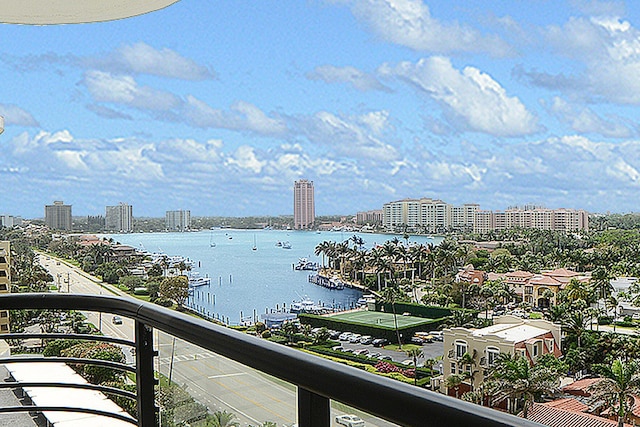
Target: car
{"x":345,"y":336}
{"x":350,"y":420}
{"x":116,"y":320}
{"x":437,"y":335}
{"x":361,"y":351}
{"x":334,"y":334}
{"x":375,"y":355}
{"x":354,"y":339}
{"x":636,"y":316}
{"x":379,"y":342}
{"x":337,"y":348}
{"x":418,"y":340}
{"x":385,"y":357}
{"x":366,"y":339}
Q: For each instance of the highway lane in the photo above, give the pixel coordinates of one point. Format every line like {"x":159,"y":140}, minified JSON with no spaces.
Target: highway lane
{"x":217,"y":382}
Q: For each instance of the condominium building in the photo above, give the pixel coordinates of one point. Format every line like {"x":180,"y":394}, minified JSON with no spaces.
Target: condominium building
{"x":472,"y":352}
{"x":430,"y":214}
{"x":178,"y":220}
{"x":10,"y":221}
{"x":531,"y":217}
{"x":5,"y":281}
{"x":119,"y":218}
{"x":369,"y":217}
{"x":58,"y":216}
{"x":304,"y":210}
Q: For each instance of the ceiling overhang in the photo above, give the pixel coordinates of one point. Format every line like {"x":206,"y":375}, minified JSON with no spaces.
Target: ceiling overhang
{"x":51,"y":12}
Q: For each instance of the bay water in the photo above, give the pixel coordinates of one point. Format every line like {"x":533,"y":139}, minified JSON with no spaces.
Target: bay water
{"x":246,"y":283}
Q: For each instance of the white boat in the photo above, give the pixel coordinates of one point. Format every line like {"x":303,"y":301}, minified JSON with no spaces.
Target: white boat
{"x":196,"y":280}
{"x":305,"y":264}
{"x":306,"y":306}
{"x":286,"y":245}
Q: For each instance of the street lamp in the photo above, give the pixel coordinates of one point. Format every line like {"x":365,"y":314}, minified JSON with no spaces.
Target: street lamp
{"x":50,"y":12}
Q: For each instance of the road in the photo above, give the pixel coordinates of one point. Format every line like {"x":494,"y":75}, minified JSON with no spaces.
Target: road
{"x":217,"y":382}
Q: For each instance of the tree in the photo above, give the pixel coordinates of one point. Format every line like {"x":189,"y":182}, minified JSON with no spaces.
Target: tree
{"x":621,"y":380}
{"x":222,"y":419}
{"x":175,"y":288}
{"x":514,"y":379}
{"x":415,"y":354}
{"x":390,"y":295}
{"x":454,"y":381}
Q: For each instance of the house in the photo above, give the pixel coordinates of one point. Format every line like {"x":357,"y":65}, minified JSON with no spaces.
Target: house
{"x":530,"y":338}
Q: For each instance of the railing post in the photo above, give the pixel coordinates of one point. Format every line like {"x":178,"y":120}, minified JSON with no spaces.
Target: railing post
{"x":145,"y":379}
{"x":313,"y":410}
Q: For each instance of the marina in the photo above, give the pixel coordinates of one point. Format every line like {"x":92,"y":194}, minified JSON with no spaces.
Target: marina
{"x":239,"y":283}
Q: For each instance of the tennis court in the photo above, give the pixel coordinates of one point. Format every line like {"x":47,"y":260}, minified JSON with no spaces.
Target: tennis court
{"x":376,"y":318}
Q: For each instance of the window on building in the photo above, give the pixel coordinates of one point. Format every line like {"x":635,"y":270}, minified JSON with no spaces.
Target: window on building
{"x":535,"y":349}
{"x":4,"y":313}
{"x":550,"y":345}
{"x":3,"y":260}
{"x":461,"y":349}
{"x":3,"y":286}
{"x":4,"y":327}
{"x":453,"y":368}
{"x":3,"y":273}
{"x":492,"y":355}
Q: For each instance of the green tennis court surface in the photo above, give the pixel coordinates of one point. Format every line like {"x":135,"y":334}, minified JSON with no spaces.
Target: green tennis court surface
{"x":380,"y":319}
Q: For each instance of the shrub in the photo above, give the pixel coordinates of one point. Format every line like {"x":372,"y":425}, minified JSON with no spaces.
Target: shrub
{"x":266,"y":334}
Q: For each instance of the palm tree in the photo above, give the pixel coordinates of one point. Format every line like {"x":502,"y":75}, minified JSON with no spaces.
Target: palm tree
{"x":415,"y":354}
{"x":621,"y":381}
{"x":577,"y":322}
{"x":513,"y":378}
{"x":222,"y":419}
{"x":454,"y":381}
{"x":391,"y":294}
{"x":469,"y":359}
{"x":601,"y":282}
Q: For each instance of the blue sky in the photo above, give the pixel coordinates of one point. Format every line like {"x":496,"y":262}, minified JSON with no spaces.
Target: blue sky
{"x":218,"y":106}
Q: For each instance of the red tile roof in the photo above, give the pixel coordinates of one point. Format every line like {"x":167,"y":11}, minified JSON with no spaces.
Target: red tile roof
{"x":579,"y":388}
{"x":554,"y":417}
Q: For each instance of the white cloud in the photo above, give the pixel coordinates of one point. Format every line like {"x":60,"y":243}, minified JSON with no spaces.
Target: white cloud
{"x":358,"y":79}
{"x":245,"y":158}
{"x":410,"y":23}
{"x":610,"y":50}
{"x":121,"y":89}
{"x":584,"y":120}
{"x":14,"y":115}
{"x":351,"y":137}
{"x":472,"y":99}
{"x":140,"y":58}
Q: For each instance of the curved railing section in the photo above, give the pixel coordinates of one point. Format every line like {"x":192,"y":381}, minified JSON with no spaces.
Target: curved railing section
{"x":318,"y":380}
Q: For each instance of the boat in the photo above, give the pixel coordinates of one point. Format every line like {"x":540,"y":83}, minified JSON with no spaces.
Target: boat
{"x":196,"y":280}
{"x":255,"y":247}
{"x":212,"y":244}
{"x":306,"y":305}
{"x":279,"y":244}
{"x":286,"y":245}
{"x":305,"y":264}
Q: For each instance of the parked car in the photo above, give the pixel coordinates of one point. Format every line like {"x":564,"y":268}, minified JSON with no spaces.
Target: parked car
{"x":337,"y":348}
{"x":384,"y":357}
{"x":375,"y":355}
{"x":366,"y":339}
{"x":345,"y":336}
{"x":334,"y":334}
{"x":355,"y":338}
{"x":361,"y":351}
{"x":437,"y":335}
{"x":379,"y":342}
{"x":350,"y":420}
{"x":116,"y":320}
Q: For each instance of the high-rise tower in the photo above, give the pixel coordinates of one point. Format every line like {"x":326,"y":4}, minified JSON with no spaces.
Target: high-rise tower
{"x":304,"y":207}
{"x":58,"y":216}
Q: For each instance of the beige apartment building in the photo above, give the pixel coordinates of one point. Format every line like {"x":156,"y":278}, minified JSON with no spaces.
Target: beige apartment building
{"x":529,"y":338}
{"x":5,"y":281}
{"x":531,"y":217}
{"x":119,"y":218}
{"x":304,"y":206}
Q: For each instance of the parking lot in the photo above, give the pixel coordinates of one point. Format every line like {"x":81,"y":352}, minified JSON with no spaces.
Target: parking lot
{"x":430,"y":350}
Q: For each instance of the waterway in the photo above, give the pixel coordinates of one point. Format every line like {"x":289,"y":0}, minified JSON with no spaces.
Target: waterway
{"x":246,"y":283}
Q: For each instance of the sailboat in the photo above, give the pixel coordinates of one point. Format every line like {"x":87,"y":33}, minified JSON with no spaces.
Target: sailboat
{"x":211,"y":242}
{"x":255,"y":247}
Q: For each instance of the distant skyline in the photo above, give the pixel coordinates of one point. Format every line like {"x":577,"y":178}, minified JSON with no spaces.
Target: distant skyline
{"x":218,"y":107}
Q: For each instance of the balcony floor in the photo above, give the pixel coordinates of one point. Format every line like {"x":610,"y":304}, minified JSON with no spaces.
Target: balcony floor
{"x":7,"y":398}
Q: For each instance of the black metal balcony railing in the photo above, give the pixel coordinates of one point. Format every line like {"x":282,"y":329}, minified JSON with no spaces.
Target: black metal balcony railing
{"x":318,"y":381}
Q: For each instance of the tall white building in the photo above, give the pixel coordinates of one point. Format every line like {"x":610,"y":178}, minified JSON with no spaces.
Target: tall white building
{"x":304,"y":206}
{"x":430,"y":214}
{"x":178,"y":220}
{"x":119,"y":218}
